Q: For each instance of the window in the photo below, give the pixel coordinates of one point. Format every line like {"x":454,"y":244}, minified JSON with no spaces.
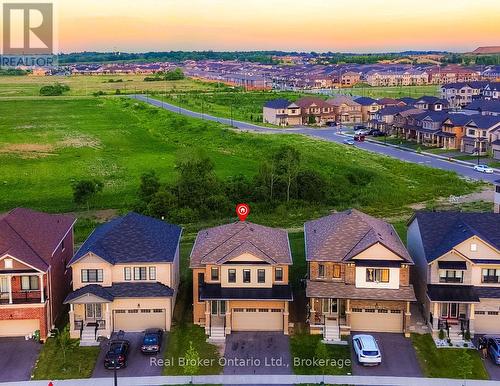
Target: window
{"x":231,"y":276}
{"x":140,"y":273}
{"x":8,"y":264}
{"x":375,"y":275}
{"x":127,"y":273}
{"x":261,"y":276}
{"x":30,"y":283}
{"x":473,"y":247}
{"x":214,"y":274}
{"x":152,"y":273}
{"x":278,"y":274}
{"x":451,"y":276}
{"x":92,"y":275}
{"x":321,"y":270}
{"x":336,"y":271}
{"x":491,"y":275}
{"x":246,"y":276}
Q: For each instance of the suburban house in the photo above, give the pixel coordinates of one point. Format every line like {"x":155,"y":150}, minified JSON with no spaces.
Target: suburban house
{"x":432,"y":103}
{"x":240,"y":279}
{"x":484,"y":107}
{"x":369,"y":107}
{"x":346,"y":110}
{"x":358,"y":276}
{"x":281,"y":112}
{"x":457,"y":256}
{"x":125,"y":277}
{"x":315,"y":111}
{"x":350,"y":78}
{"x":480,"y":132}
{"x":34,"y":250}
{"x":453,"y":130}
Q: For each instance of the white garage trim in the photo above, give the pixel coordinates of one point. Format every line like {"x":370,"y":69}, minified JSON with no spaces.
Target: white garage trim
{"x":134,"y":320}
{"x":257,"y":319}
{"x":487,"y":322}
{"x":373,"y":320}
{"x":18,"y":327}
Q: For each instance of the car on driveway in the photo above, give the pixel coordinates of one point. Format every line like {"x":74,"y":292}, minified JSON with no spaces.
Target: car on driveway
{"x":366,"y":350}
{"x":151,"y":342}
{"x":483,"y":169}
{"x":493,"y":345}
{"x":116,"y":357}
{"x":348,"y":142}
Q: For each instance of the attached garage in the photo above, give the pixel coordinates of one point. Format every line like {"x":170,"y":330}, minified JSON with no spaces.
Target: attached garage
{"x":487,"y":322}
{"x":18,"y":327}
{"x":381,"y":320}
{"x":257,"y":319}
{"x":139,"y":319}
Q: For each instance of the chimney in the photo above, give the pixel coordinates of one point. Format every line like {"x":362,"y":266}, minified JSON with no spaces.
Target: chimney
{"x":497,"y":197}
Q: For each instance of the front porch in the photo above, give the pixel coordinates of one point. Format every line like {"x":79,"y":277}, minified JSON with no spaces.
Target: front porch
{"x":327,"y":316}
{"x":456,"y":320}
{"x":89,"y":321}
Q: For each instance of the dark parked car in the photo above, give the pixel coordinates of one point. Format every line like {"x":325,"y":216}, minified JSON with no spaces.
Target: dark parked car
{"x":116,"y":357}
{"x":377,"y":133}
{"x":151,"y":343}
{"x":493,"y":345}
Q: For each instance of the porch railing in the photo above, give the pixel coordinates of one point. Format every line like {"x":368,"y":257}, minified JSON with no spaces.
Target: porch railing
{"x":22,"y":297}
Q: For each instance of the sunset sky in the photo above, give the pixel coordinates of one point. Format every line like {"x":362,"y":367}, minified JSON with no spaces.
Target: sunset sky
{"x":306,"y":25}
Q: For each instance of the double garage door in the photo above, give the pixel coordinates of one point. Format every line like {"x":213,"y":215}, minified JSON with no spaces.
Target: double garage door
{"x":139,"y":319}
{"x":257,"y":319}
{"x":369,"y":319}
{"x":487,"y":322}
{"x":20,"y":327}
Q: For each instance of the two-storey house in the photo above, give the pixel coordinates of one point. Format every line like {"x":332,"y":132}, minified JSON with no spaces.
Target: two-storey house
{"x":457,"y":256}
{"x":315,"y":111}
{"x":240,"y":279}
{"x":281,"y":112}
{"x":480,"y":133}
{"x":125,"y":277}
{"x":358,"y":276}
{"x":346,"y":110}
{"x":369,"y":107}
{"x":34,"y":250}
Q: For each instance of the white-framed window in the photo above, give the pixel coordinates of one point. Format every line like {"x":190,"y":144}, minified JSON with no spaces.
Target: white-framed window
{"x":92,"y":275}
{"x":140,"y":273}
{"x":8,"y":263}
{"x":127,"y":273}
{"x":152,"y":273}
{"x":473,"y":247}
{"x":30,"y":283}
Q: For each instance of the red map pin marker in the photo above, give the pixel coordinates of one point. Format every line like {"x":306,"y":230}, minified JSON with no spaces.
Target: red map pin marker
{"x":242,"y":210}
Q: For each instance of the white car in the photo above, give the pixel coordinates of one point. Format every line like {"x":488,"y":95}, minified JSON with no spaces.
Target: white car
{"x":483,"y":169}
{"x":366,"y":350}
{"x":348,"y":142}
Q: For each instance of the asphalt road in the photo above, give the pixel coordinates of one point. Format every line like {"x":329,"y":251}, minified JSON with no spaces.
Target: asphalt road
{"x":331,"y":134}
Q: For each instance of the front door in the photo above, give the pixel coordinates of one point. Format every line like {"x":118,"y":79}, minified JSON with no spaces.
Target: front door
{"x":449,"y":310}
{"x":93,"y":312}
{"x":218,"y":307}
{"x":330,"y":307}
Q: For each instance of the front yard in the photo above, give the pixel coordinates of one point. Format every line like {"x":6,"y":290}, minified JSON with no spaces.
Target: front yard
{"x":447,"y":362}
{"x":304,"y":348}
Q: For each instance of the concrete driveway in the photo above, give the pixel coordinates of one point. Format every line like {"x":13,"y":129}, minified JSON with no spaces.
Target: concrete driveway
{"x":398,"y":357}
{"x":257,"y":353}
{"x":17,"y":358}
{"x":492,"y":369}
{"x":138,"y":364}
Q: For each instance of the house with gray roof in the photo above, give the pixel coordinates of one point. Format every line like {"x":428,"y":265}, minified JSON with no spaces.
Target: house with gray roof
{"x":358,"y":276}
{"x":125,"y":277}
{"x":457,"y":259}
{"x":240,"y":279}
{"x":281,"y":112}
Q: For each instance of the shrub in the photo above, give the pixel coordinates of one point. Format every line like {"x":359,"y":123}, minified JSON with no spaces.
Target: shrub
{"x":441,"y":334}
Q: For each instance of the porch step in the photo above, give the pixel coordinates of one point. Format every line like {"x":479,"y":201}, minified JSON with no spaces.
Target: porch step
{"x":331,"y":332}
{"x":88,"y":337}
{"x":217,"y":334}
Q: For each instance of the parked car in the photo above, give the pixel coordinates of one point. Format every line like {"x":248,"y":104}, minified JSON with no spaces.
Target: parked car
{"x":362,"y":132}
{"x":377,"y":133}
{"x":151,"y":342}
{"x":116,"y":357}
{"x":366,"y":350}
{"x":483,"y":169}
{"x":493,"y":344}
{"x":348,"y":141}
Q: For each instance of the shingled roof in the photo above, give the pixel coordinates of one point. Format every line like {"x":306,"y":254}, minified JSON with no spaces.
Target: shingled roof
{"x":133,"y":238}
{"x":441,"y":231}
{"x":32,"y":236}
{"x":341,"y":236}
{"x":220,"y":244}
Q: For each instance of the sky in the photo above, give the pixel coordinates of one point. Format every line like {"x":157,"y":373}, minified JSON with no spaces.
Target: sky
{"x":288,"y":25}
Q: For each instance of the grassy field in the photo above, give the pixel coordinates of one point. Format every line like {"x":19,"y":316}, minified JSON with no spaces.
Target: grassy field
{"x":86,"y":85}
{"x":395,"y":92}
{"x":52,"y":143}
{"x":447,"y":362}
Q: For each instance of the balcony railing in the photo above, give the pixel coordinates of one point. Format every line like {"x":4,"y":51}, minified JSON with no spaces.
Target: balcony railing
{"x":491,"y":279}
{"x":451,"y":280}
{"x":22,"y":297}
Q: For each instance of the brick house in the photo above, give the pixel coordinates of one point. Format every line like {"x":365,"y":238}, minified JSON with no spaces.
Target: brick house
{"x":358,"y":276}
{"x":315,"y":111}
{"x":34,"y":250}
{"x":346,"y":110}
{"x":240,"y":279}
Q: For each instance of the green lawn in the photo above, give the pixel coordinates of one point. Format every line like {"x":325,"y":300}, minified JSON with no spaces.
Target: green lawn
{"x":54,"y":142}
{"x":78,"y":363}
{"x":447,"y":362}
{"x":305,"y":347}
{"x":396,"y":92}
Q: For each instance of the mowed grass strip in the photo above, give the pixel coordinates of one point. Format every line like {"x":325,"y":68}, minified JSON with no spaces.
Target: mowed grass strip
{"x":447,"y":362}
{"x":47,"y":144}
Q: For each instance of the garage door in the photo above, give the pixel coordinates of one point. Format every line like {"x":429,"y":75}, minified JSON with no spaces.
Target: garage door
{"x":496,"y":154}
{"x":139,"y":319}
{"x":487,"y":322}
{"x":369,"y":319}
{"x":257,"y":319}
{"x":19,"y":327}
